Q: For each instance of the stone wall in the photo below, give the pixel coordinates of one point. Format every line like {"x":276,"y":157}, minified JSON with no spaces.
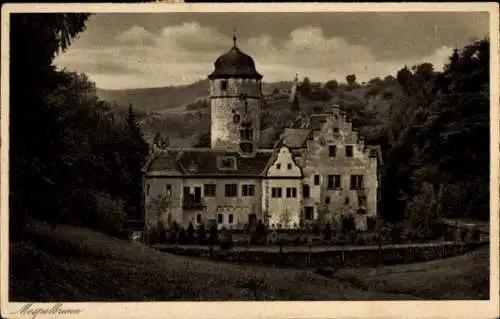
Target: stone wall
{"x":317,"y":160}
{"x":226,"y":105}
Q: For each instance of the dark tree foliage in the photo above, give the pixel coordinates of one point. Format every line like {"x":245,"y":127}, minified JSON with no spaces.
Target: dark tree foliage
{"x":204,"y":140}
{"x":73,"y":158}
{"x":437,"y":160}
{"x":202,"y":234}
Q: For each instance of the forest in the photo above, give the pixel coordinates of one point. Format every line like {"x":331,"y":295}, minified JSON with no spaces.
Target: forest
{"x":77,"y":159}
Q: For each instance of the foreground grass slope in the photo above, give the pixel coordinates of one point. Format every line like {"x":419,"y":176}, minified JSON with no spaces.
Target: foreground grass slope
{"x":463,"y":277}
{"x":77,"y":264}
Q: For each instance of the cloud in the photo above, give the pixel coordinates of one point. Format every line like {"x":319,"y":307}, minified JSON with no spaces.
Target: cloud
{"x":137,"y":36}
{"x":184,"y":53}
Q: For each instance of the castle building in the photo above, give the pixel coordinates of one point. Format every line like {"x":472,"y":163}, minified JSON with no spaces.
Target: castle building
{"x":319,"y":171}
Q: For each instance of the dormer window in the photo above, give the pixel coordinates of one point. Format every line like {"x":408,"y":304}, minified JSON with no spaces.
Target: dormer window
{"x":278,"y":166}
{"x":335,"y":130}
{"x":223,"y":85}
{"x":226,"y":163}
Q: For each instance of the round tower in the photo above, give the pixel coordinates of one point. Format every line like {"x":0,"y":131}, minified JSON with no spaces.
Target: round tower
{"x":235,"y":99}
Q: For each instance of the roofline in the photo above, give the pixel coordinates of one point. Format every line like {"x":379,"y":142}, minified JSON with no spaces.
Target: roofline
{"x":255,"y":76}
{"x":222,"y":176}
{"x":209,"y":149}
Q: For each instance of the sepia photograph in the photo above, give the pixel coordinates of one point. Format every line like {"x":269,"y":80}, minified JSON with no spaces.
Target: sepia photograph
{"x":237,"y":153}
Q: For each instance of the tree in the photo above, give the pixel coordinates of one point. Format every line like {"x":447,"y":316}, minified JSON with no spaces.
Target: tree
{"x":305,"y":87}
{"x":285,"y":217}
{"x":204,"y":140}
{"x":159,"y":141}
{"x":32,"y":170}
{"x":332,"y":85}
{"x":135,"y":159}
{"x":351,"y":79}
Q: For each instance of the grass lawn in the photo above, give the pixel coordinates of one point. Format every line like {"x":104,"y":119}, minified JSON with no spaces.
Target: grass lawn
{"x":458,"y":278}
{"x":78,"y":264}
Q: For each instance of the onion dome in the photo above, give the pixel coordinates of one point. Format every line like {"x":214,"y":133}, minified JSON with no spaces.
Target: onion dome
{"x":235,"y":64}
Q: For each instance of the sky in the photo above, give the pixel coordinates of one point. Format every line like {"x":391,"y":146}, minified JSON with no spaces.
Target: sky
{"x":139,"y":50}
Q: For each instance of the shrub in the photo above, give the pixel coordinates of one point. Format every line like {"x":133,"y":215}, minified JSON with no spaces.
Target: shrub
{"x":226,"y":240}
{"x":476,"y":234}
{"x":395,"y":233}
{"x":348,"y":224}
{"x":181,"y":237}
{"x":315,"y":229}
{"x":202,"y":233}
{"x":161,"y":233}
{"x":212,"y":236}
{"x":190,"y":234}
{"x":371,"y":223}
{"x":327,"y":232}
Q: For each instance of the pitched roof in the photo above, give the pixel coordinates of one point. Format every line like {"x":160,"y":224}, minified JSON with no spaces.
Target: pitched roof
{"x":316,"y":121}
{"x":295,"y":137}
{"x":209,"y":162}
{"x":164,"y":162}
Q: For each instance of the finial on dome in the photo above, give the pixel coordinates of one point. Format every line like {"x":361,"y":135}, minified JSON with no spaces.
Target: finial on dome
{"x":234,"y":37}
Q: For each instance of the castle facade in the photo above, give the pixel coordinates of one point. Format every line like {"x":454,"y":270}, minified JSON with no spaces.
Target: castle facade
{"x":321,"y":170}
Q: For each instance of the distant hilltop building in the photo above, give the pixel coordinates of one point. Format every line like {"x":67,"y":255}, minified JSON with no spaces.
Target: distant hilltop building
{"x":319,"y":169}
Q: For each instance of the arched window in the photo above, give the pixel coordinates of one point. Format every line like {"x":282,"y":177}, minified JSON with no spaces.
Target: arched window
{"x":236,"y":118}
{"x":327,"y":200}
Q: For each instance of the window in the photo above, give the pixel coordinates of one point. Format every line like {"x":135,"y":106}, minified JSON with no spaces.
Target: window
{"x":226,"y":163}
{"x":248,"y":190}
{"x":335,"y":129}
{"x":210,"y":190}
{"x":327,"y":200}
{"x":289,"y":166}
{"x":230,"y":219}
{"x":246,"y":134}
{"x":333,"y":182}
{"x":231,"y":190}
{"x":168,"y":189}
{"x":223,"y":85}
{"x":316,"y":179}
{"x":236,"y":118}
{"x":278,"y":166}
{"x":306,"y":191}
{"x":220,"y":218}
{"x":186,"y":191}
{"x":362,"y":201}
{"x":276,"y":192}
{"x":332,"y":150}
{"x":357,"y":182}
{"x":148,"y":188}
{"x":348,"y":151}
{"x":291,"y":192}
{"x":346,"y":200}
{"x":198,"y":218}
{"x":309,"y":213}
